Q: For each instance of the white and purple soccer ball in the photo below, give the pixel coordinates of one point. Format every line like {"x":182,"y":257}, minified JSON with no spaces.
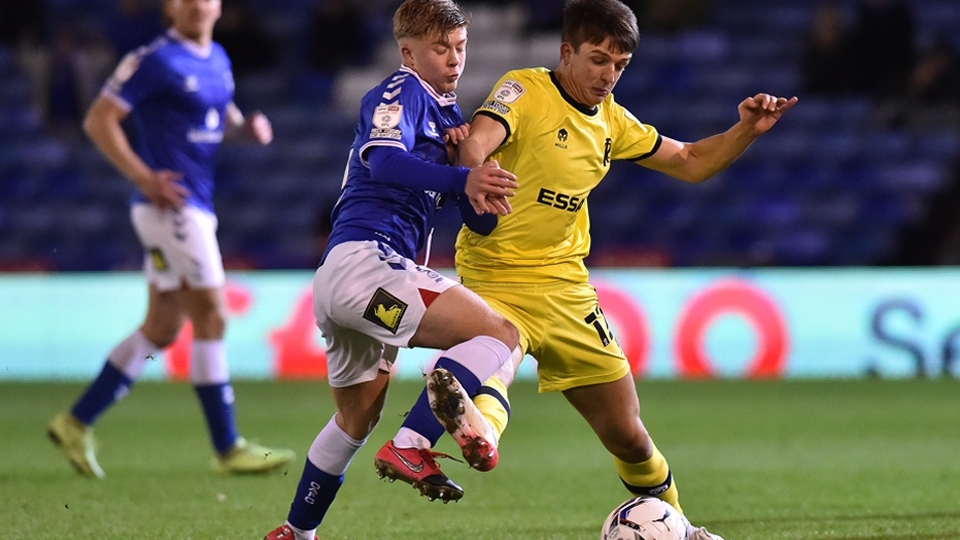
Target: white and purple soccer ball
{"x":644,"y":518}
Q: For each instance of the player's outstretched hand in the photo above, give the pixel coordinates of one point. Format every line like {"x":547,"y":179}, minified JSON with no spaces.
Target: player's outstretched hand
{"x":258,"y":127}
{"x":163,"y":188}
{"x":488,"y":187}
{"x":762,"y":111}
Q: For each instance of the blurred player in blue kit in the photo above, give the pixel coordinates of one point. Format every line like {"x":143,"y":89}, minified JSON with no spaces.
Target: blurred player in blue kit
{"x":370,"y":297}
{"x":179,"y":92}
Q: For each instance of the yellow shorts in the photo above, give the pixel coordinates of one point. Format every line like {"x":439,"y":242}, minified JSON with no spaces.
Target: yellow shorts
{"x":560,"y":325}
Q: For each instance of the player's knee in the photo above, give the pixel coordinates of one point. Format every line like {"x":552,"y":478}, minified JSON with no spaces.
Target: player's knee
{"x":211,"y":324}
{"x":507,"y":333}
{"x":358,"y":426}
{"x":161,"y":333}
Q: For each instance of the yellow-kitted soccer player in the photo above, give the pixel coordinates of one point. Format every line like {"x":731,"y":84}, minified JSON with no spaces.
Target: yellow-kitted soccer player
{"x":558,"y":131}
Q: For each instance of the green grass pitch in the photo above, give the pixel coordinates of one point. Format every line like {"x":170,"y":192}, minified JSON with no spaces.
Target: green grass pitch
{"x":838,"y":460}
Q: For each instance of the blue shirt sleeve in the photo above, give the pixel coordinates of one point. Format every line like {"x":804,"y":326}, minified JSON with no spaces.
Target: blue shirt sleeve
{"x":482,"y":225}
{"x":138,"y":76}
{"x":391,"y":165}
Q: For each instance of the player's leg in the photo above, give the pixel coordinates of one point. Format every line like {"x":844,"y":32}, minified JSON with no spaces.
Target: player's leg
{"x":581,"y":358}
{"x":358,"y":371}
{"x":477,"y":342}
{"x":72,"y":430}
{"x":193,"y":257}
{"x":210,"y":378}
{"x":492,"y":399}
{"x":358,"y":411}
{"x":613,"y":412}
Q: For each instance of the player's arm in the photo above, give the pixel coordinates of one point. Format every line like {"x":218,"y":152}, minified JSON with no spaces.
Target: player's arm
{"x":253,"y":127}
{"x":486,"y":135}
{"x":102,"y":124}
{"x":698,"y":161}
{"x":482,"y":224}
{"x":393,"y":165}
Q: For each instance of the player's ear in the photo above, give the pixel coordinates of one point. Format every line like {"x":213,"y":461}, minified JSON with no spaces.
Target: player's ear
{"x":566,"y":52}
{"x":406,"y":53}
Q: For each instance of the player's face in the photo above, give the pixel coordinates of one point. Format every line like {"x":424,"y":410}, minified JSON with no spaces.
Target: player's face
{"x":194,"y":18}
{"x":438,"y":61}
{"x":594,"y":70}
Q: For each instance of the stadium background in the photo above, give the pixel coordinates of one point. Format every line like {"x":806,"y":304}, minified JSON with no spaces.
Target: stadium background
{"x":808,"y":229}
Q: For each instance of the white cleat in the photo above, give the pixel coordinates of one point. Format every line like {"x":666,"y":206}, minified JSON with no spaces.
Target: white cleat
{"x":462,"y":419}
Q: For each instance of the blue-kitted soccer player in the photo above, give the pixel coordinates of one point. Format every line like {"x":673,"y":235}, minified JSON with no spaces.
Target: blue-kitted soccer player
{"x":370,"y":297}
{"x":179,"y":92}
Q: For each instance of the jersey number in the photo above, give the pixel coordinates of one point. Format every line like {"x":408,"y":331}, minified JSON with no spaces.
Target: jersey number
{"x":601,"y":325}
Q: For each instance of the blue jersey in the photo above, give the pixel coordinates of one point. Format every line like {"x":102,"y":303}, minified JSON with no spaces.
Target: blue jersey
{"x":404,"y":112}
{"x":177,"y":94}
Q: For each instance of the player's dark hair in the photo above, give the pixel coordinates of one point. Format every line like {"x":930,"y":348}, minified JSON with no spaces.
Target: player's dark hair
{"x":593,"y":21}
{"x":427,"y":19}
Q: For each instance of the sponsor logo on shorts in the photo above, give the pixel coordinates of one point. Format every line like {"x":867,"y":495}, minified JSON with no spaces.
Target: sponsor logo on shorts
{"x":158,"y":260}
{"x":385,"y":310}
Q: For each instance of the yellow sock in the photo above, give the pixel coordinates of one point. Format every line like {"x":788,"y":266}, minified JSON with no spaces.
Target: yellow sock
{"x":652,"y":477}
{"x":492,"y":401}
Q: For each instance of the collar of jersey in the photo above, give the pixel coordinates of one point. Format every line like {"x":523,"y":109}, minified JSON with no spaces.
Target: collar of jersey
{"x":589,"y":111}
{"x":443,"y":99}
{"x":195,"y":48}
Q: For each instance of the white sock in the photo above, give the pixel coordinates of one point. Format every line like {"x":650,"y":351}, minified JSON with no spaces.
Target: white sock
{"x":208,"y":362}
{"x":333,"y":450}
{"x":408,"y":438}
{"x":300,"y":534}
{"x":482,"y":355}
{"x":132,"y":354}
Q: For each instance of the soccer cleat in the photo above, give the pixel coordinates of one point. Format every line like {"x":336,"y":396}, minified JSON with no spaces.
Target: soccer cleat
{"x":282,"y":532}
{"x":75,"y":441}
{"x":462,"y":419}
{"x":246,"y":457}
{"x":417,"y":467}
{"x":701,"y":533}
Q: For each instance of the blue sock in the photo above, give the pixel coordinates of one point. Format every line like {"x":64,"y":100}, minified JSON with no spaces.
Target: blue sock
{"x":217,"y":401}
{"x":315,"y":494}
{"x":108,"y":388}
{"x":421,"y":418}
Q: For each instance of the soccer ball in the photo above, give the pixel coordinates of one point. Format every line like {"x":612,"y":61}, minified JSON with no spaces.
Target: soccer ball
{"x":644,"y":518}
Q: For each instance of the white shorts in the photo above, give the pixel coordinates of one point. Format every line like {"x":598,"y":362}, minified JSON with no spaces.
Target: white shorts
{"x":180,"y":247}
{"x":368,"y":301}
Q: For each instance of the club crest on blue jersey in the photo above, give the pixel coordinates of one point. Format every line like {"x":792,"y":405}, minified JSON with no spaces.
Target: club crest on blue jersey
{"x":385,"y":310}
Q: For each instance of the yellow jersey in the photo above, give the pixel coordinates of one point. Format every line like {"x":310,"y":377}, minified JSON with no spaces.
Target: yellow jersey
{"x":560,"y":150}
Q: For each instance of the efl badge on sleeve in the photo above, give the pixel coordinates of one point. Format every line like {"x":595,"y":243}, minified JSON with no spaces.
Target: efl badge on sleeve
{"x":126,"y":68}
{"x":387,"y":116}
{"x":509,"y":92}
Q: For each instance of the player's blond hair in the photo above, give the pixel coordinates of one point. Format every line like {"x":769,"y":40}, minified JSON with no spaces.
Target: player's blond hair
{"x":427,"y":19}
